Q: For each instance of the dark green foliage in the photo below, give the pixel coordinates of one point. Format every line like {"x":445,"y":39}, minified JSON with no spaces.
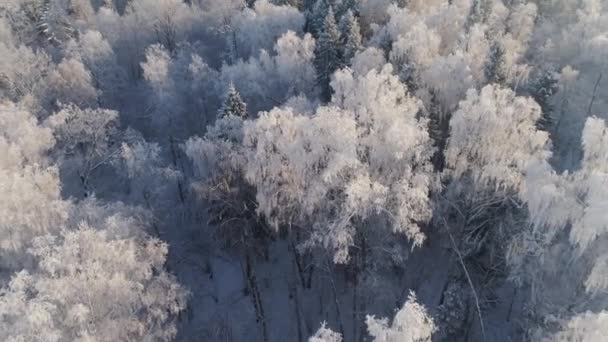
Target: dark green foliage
{"x":350,"y":33}
{"x":496,"y":69}
{"x":327,"y":54}
{"x":542,"y":88}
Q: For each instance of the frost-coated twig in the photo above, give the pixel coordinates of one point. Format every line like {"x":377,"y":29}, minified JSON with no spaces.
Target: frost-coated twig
{"x":466,"y":272}
{"x":599,"y":79}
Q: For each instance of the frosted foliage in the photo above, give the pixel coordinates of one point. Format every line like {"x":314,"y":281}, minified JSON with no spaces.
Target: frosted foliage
{"x":297,"y":160}
{"x":521,"y":21}
{"x":260,"y":27}
{"x":291,"y":71}
{"x":325,"y":334}
{"x":245,"y":76}
{"x":578,"y":199}
{"x":23,"y":71}
{"x":92,"y":47}
{"x":81,"y":292}
{"x":588,"y":327}
{"x":477,"y":50}
{"x":156,"y":68}
{"x":371,"y":148}
{"x":369,"y":59}
{"x":83,"y":132}
{"x":394,"y":142}
{"x":145,"y":170}
{"x":294,"y":62}
{"x":71,"y":82}
{"x":163,"y":21}
{"x":594,"y":220}
{"x":592,"y":182}
{"x":219,"y":153}
{"x":454,"y":67}
{"x":23,"y":141}
{"x":97,"y":54}
{"x":31,"y":202}
{"x":419,"y":45}
{"x":426,"y":30}
{"x":138,"y":157}
{"x":597,"y":281}
{"x":495,"y":117}
{"x":390,"y":131}
{"x":373,"y":11}
{"x":411,"y":323}
{"x":595,"y":140}
{"x":549,"y":198}
{"x":30,"y":206}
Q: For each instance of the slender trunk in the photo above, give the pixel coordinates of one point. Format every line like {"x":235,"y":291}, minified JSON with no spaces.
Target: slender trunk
{"x":174,"y":157}
{"x":362,"y":305}
{"x":297,"y":262}
{"x":335,"y":295}
{"x":355,"y":325}
{"x":255,"y":296}
{"x":294,"y":294}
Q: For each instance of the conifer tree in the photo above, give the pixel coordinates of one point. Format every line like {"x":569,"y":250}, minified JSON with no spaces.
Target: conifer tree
{"x":496,"y":70}
{"x":542,"y":88}
{"x":308,"y":5}
{"x":317,"y":16}
{"x":345,"y":6}
{"x":327,"y":54}
{"x":350,"y":35}
{"x":234,"y":105}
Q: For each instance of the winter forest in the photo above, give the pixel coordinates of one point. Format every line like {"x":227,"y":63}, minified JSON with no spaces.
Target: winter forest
{"x":303,"y":170}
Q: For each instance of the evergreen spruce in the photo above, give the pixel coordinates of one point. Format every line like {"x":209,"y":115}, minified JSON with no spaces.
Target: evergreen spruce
{"x":234,"y":105}
{"x":542,"y":88}
{"x":496,"y":69}
{"x":345,"y":6}
{"x":317,"y":17}
{"x":350,"y":35}
{"x":327,"y":53}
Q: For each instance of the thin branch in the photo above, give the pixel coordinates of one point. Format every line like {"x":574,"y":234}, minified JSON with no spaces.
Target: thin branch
{"x":466,"y":272}
{"x":599,"y":79}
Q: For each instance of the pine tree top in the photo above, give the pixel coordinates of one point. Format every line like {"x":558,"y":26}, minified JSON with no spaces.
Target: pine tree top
{"x":234,"y":104}
{"x":330,"y":28}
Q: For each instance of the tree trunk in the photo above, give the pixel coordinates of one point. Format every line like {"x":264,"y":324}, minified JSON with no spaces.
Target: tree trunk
{"x":255,"y":296}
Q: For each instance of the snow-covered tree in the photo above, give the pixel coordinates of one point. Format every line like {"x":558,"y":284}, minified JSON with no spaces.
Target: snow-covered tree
{"x":288,"y":73}
{"x":327,"y":53}
{"x":233,"y":104}
{"x":588,"y":326}
{"x":317,"y":15}
{"x":24,"y":73}
{"x":98,"y":56}
{"x":149,"y":180}
{"x":260,"y":27}
{"x":31,"y":204}
{"x":86,"y":140}
{"x":344,"y":162}
{"x":325,"y":334}
{"x":496,"y":68}
{"x":490,"y":118}
{"x":351,"y":37}
{"x":92,"y":285}
{"x":294,"y":63}
{"x":411,"y":323}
